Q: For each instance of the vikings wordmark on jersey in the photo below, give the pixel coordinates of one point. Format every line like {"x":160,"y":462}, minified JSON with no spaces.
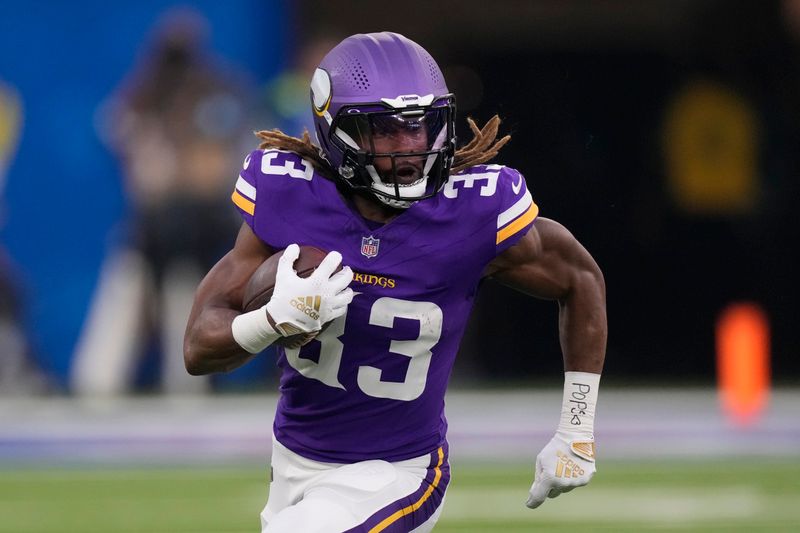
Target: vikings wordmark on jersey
{"x":372,"y":384}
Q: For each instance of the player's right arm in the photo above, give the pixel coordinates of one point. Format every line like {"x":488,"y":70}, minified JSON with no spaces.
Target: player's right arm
{"x":219,"y":337}
{"x":209,"y":345}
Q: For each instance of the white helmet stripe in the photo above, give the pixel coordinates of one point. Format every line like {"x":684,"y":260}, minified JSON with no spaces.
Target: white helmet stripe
{"x":347,"y":139}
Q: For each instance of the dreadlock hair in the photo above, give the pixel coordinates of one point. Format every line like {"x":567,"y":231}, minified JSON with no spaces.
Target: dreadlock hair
{"x":482,"y":148}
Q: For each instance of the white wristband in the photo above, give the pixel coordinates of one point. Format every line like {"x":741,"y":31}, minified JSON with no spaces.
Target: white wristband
{"x":580,"y":399}
{"x":252,"y":331}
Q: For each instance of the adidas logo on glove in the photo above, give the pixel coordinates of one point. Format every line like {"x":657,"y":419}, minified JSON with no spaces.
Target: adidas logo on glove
{"x":309,"y":305}
{"x":566,"y":467}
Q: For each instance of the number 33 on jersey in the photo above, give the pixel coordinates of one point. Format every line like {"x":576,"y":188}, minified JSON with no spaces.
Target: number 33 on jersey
{"x":373,"y":382}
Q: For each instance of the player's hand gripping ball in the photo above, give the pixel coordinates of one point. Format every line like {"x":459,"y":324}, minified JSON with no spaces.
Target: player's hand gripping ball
{"x":304,"y":289}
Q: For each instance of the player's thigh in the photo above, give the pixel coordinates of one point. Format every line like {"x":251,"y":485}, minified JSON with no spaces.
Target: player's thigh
{"x":291,"y":475}
{"x":357,"y":497}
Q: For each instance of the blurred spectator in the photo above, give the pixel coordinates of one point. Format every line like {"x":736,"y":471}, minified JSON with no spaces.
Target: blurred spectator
{"x":178,"y":125}
{"x":18,"y":373}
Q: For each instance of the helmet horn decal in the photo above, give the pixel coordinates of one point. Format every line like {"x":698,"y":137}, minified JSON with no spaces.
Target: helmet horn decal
{"x":321,"y":93}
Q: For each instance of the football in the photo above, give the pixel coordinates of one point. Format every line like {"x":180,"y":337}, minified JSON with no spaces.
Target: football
{"x":258,"y":290}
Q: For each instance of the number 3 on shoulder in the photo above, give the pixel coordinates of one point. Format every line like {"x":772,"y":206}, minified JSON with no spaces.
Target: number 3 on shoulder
{"x":283,"y":163}
{"x":487,"y":181}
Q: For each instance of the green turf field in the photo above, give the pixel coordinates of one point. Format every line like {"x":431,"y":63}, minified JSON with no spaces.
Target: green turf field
{"x":743,"y":496}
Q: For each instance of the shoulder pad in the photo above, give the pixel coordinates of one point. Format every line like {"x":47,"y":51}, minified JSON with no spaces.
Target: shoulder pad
{"x":246,"y":189}
{"x":516,"y":209}
{"x":259,"y":170}
{"x":500,"y":196}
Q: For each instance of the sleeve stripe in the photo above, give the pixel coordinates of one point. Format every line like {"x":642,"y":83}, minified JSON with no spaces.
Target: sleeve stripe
{"x":518,"y":224}
{"x":243,"y":203}
{"x":519,"y":207}
{"x":246,"y":189}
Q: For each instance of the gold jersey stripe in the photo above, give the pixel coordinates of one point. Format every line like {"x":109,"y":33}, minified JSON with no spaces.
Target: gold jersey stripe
{"x":523,"y":220}
{"x":388,"y":521}
{"x":244,"y":204}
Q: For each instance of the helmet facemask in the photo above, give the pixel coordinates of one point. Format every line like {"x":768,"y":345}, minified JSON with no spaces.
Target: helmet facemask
{"x":398,"y":156}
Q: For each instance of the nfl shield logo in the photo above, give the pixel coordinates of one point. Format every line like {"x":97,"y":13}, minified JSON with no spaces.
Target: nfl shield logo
{"x":369,"y":246}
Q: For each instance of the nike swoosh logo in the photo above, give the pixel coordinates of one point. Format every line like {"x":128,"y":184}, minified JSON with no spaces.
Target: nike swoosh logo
{"x":517,"y":186}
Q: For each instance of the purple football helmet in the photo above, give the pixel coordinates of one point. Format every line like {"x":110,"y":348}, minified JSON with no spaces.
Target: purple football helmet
{"x":384,"y":117}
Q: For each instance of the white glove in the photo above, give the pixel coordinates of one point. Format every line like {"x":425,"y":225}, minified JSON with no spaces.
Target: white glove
{"x":568,"y":459}
{"x":304,"y":305}
{"x":565,"y":463}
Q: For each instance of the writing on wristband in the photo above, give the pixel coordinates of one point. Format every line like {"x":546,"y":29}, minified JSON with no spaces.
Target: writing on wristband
{"x":579,"y":401}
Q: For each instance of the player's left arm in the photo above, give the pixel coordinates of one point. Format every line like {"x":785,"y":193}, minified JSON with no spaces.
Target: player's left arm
{"x":548,"y":262}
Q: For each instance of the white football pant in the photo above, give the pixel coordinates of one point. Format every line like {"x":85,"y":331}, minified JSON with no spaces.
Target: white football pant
{"x":370,"y":496}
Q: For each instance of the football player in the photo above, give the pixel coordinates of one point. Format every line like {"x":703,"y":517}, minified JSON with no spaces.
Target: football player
{"x":360,"y":430}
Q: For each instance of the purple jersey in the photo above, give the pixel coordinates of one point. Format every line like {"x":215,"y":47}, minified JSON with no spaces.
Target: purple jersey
{"x":372,"y":385}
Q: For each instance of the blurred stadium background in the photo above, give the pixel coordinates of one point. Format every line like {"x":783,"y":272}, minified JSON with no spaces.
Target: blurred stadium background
{"x":663,"y":133}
